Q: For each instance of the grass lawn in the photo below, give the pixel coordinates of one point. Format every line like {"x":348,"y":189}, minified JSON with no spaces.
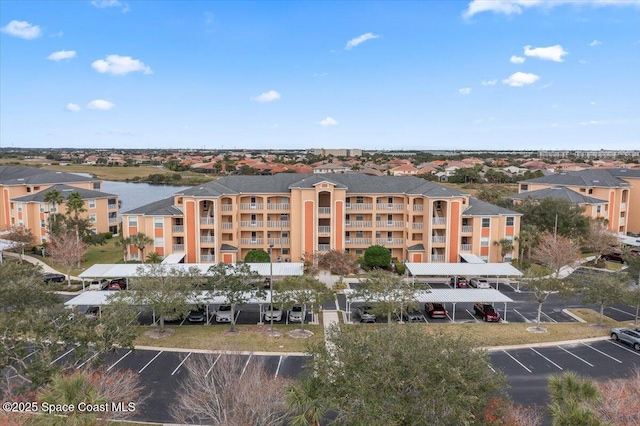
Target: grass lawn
{"x":247,"y":338}
{"x":108,"y":253}
{"x":109,"y":173}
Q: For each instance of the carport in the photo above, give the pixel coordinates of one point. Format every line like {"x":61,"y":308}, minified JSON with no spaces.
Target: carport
{"x":452,"y":296}
{"x":424,"y":270}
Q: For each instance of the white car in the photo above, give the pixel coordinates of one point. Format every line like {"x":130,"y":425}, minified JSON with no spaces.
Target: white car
{"x":296,"y":313}
{"x":223,"y":314}
{"x":479,"y":283}
{"x":277,"y":313}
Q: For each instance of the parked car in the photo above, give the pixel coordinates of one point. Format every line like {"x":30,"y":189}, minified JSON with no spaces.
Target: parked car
{"x":53,"y":278}
{"x":479,"y":283}
{"x":435,"y":310}
{"x":459,"y":282}
{"x":487,"y":312}
{"x":296,"y":313}
{"x":117,"y":284}
{"x":196,"y":315}
{"x":223,"y":314}
{"x":267,"y":282}
{"x":614,"y":256}
{"x":412,"y":315}
{"x":628,"y":336}
{"x":365,"y":312}
{"x":98,"y":284}
{"x":276,"y":313}
{"x":92,"y":312}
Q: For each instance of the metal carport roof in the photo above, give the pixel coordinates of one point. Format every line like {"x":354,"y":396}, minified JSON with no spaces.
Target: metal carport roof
{"x":173,"y":258}
{"x":468,"y":269}
{"x":471,"y":258}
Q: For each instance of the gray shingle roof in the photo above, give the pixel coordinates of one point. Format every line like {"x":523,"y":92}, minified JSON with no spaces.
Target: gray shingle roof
{"x":20,"y":175}
{"x":162,"y":207}
{"x":416,"y":247}
{"x":623,"y":173}
{"x":559,"y":192}
{"x":64,"y":190}
{"x":600,"y":178}
{"x":228,"y":247}
{"x":482,"y":208}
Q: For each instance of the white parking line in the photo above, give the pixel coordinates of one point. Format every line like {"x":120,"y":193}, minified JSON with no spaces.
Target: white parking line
{"x":620,"y":310}
{"x":472,"y":316}
{"x":450,"y":319}
{"x":28,"y":356}
{"x":212,"y":365}
{"x":521,"y":364}
{"x":492,"y":369}
{"x":621,"y":345}
{"x":576,"y":356}
{"x":62,"y":356}
{"x":245,"y":366}
{"x":237,"y":315}
{"x":180,"y":365}
{"x":546,"y":358}
{"x":598,"y":350}
{"x":278,"y":369}
{"x":147,"y":364}
{"x":337,"y":304}
{"x":543,"y":313}
{"x":90,"y":358}
{"x":116,"y":363}
{"x":523,"y":317}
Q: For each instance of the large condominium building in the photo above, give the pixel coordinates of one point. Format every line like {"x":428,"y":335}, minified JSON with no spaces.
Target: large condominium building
{"x":22,"y":200}
{"x":611,"y":194}
{"x":296,"y":214}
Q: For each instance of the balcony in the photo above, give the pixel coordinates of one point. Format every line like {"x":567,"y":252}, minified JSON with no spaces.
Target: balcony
{"x":358,"y":224}
{"x":278,"y":224}
{"x":358,"y":241}
{"x":278,"y":241}
{"x":389,"y":241}
{"x":359,"y":206}
{"x":623,"y":206}
{"x":467,"y":229}
{"x":390,"y":224}
{"x":178,"y":248}
{"x":324,"y":247}
{"x":324,"y":229}
{"x":438,"y":239}
{"x":207,"y":258}
{"x":252,"y":241}
{"x":417,"y":225}
{"x":251,"y":206}
{"x":437,"y":257}
{"x":387,"y":206}
{"x":227,"y":207}
{"x":113,"y":220}
{"x":226,"y":225}
{"x":206,"y":221}
{"x":207,"y":239}
{"x":177,"y":229}
{"x":279,"y":206}
{"x":251,"y":223}
{"x":112,"y":206}
{"x":439,"y":220}
{"x":465,"y":247}
{"x":324,"y":210}
{"x":418,"y":207}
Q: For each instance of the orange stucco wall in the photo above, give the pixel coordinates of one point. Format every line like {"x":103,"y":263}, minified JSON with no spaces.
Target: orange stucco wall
{"x":190,"y":231}
{"x":308,"y":227}
{"x":339,"y":232}
{"x":454,"y":235}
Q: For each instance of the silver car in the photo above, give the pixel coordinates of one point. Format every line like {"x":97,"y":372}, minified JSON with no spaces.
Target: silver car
{"x":365,"y":312}
{"x":626,"y":335}
{"x":296,"y":313}
{"x":272,"y":312}
{"x":479,"y":283}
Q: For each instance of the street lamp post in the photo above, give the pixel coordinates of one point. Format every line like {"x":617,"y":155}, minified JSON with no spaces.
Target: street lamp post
{"x":271,"y":284}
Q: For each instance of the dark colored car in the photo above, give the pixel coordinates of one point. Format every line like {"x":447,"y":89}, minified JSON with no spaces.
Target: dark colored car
{"x":487,"y":312}
{"x":459,"y":282}
{"x":366,"y":314}
{"x":267,"y":282}
{"x":117,"y":284}
{"x":53,"y":278}
{"x":435,"y":310}
{"x":92,"y":312}
{"x":614,"y":256}
{"x":413,"y":315}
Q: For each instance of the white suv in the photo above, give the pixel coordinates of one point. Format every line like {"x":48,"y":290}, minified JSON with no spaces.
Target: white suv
{"x":223,"y":314}
{"x":479,"y":283}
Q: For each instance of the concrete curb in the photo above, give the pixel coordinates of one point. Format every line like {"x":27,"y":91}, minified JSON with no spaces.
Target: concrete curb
{"x":574,"y":316}
{"x":218,"y":351}
{"x":544,"y":344}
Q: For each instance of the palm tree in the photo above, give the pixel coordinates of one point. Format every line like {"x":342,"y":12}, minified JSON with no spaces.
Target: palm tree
{"x":75,"y":206}
{"x":154,"y":257}
{"x":53,"y":198}
{"x":305,"y":400}
{"x":123,"y":242}
{"x":140,"y":240}
{"x":573,"y":399}
{"x":506,"y":247}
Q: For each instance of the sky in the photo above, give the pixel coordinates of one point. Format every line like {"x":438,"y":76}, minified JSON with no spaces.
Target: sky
{"x":391,"y":75}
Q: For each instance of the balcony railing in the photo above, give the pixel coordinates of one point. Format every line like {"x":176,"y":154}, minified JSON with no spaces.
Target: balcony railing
{"x":418,"y":207}
{"x":251,"y":223}
{"x":324,"y":229}
{"x":206,"y":221}
{"x":437,"y":257}
{"x":178,"y":248}
{"x":623,"y":206}
{"x":227,"y":207}
{"x":467,"y":229}
{"x":465,"y":247}
{"x":389,"y":224}
{"x":252,"y":241}
{"x":359,"y":206}
{"x":278,"y":224}
{"x":417,"y":225}
{"x":113,"y":220}
{"x":207,"y":239}
{"x":278,"y":206}
{"x":324,"y":247}
{"x":251,"y":206}
{"x":324,"y":210}
{"x":112,"y":206}
{"x":227,"y":225}
{"x":278,"y":241}
{"x":176,"y":229}
{"x":358,"y":241}
{"x":439,"y":220}
{"x":438,"y":239}
{"x":389,"y":241}
{"x":358,"y":224}
{"x":387,"y":206}
{"x":207,"y":258}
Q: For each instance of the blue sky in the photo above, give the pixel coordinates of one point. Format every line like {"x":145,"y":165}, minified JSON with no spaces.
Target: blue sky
{"x":508,"y":74}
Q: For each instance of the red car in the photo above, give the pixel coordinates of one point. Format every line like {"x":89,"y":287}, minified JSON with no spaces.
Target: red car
{"x":117,"y":284}
{"x":459,"y":282}
{"x":435,"y":310}
{"x":487,"y":312}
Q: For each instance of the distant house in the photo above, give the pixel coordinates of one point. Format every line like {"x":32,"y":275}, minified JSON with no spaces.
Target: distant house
{"x":331,"y":168}
{"x":404,"y":170}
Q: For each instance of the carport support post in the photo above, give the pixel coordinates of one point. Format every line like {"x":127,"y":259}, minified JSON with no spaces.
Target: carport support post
{"x":505,"y":311}
{"x":454,"y":312}
{"x":260,"y":319}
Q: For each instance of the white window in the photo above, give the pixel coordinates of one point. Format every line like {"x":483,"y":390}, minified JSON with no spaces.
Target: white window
{"x":598,"y":209}
{"x":134,"y":256}
{"x":486,"y":222}
{"x":133,"y":220}
{"x":19,"y":207}
{"x":92,"y":217}
{"x":42,"y":224}
{"x":158,"y":222}
{"x":510,"y":220}
{"x":94,"y":231}
{"x":509,"y":237}
{"x":42,"y":207}
{"x":158,"y":242}
{"x":484,"y":241}
{"x":92,"y":204}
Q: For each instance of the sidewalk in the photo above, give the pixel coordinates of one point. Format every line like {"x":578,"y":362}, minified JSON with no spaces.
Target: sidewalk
{"x":329,"y":319}
{"x":45,"y":268}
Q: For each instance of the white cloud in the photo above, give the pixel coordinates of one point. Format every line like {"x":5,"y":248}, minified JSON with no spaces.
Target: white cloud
{"x":100,"y":104}
{"x":489,"y":82}
{"x":22,"y":29}
{"x":551,"y":53}
{"x":72,"y":107}
{"x":359,"y":40}
{"x":516,"y":7}
{"x":464,"y":90}
{"x":595,"y":43}
{"x":269,"y":96}
{"x":328,"y":122}
{"x":517,"y":59}
{"x":101,"y":4}
{"x":520,"y":79}
{"x":120,"y":65}
{"x":62,"y":54}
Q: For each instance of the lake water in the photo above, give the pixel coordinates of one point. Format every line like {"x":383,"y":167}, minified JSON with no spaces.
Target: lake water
{"x":134,"y":195}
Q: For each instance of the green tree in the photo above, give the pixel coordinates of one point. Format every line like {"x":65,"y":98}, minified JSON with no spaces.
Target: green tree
{"x":22,"y":238}
{"x":632,"y":259}
{"x":338,"y":262}
{"x":387,"y":293}
{"x":377,"y":257}
{"x":541,"y":288}
{"x":140,"y":240}
{"x":54,"y":198}
{"x":257,"y":256}
{"x":399,"y":375}
{"x":154,"y":257}
{"x":302,"y":290}
{"x":70,"y":389}
{"x":506,"y":247}
{"x":573,"y":399}
{"x":632,"y":297}
{"x":123,"y":242}
{"x":542,"y":215}
{"x":602,"y":289}
{"x":305,"y":401}
{"x":236,"y":283}
{"x":527,"y":239}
